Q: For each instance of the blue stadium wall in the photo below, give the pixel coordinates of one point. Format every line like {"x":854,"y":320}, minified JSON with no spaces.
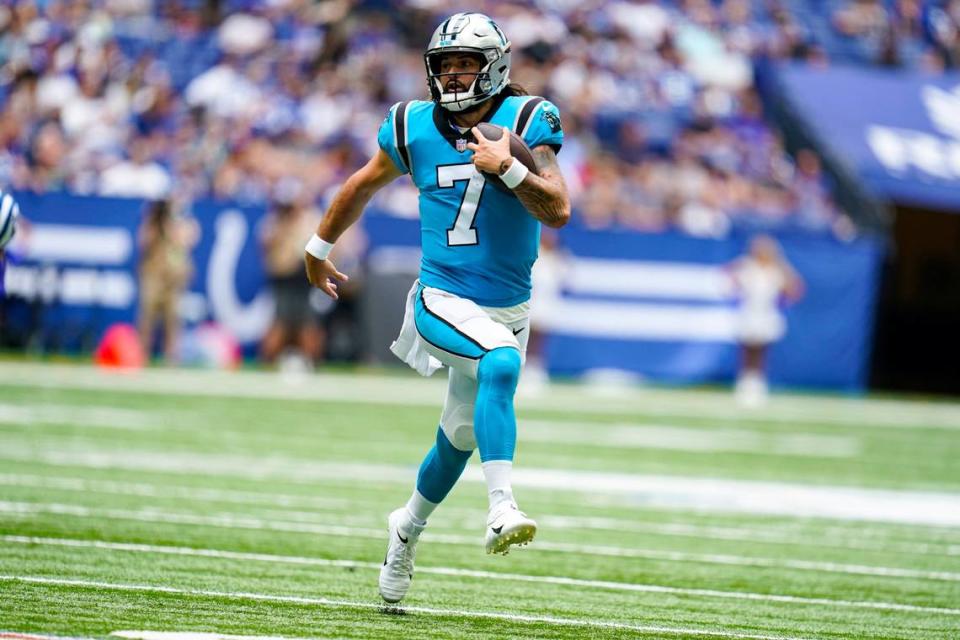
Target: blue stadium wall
{"x":657,"y":305}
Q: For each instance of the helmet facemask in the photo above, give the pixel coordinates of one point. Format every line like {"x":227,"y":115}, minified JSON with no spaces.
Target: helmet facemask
{"x":479,"y":90}
{"x":473,"y":34}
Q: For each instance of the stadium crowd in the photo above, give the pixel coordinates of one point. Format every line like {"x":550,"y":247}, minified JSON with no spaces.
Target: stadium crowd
{"x":664,"y":127}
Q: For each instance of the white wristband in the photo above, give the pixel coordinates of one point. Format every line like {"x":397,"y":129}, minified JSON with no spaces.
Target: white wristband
{"x":515,"y":174}
{"x":318,"y":247}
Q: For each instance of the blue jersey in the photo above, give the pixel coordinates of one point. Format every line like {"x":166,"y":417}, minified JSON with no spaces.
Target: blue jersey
{"x":478,"y":242}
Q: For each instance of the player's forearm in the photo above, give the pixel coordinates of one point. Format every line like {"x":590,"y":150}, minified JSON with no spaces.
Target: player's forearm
{"x":545,"y":199}
{"x":346,"y":208}
{"x":545,"y":195}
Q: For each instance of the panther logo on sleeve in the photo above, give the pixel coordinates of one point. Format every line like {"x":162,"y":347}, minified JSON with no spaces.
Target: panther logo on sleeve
{"x":553,"y":120}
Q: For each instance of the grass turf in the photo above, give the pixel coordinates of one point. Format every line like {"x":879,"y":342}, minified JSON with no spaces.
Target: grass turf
{"x":192,"y":502}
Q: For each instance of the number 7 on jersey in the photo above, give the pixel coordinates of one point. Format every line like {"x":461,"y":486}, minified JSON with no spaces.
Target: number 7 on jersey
{"x":462,"y":232}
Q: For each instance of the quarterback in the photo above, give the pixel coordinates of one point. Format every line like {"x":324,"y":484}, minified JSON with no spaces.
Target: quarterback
{"x":469,"y":309}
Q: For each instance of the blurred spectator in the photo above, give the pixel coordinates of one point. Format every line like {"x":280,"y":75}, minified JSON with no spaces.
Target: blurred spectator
{"x":550,"y":271}
{"x":763,"y":278}
{"x":165,"y":240}
{"x":295,"y":332}
{"x":138,"y":177}
{"x":225,"y":99}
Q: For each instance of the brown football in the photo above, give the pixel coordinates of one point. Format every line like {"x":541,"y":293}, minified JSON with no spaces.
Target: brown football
{"x":518,"y":148}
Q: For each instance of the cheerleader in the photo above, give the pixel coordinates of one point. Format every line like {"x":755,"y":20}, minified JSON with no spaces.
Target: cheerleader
{"x":764,"y":280}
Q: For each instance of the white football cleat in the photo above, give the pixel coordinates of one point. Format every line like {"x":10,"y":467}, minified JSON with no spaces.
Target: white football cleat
{"x":507,"y":526}
{"x":397,"y":570}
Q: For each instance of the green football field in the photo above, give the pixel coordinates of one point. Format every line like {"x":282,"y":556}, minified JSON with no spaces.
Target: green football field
{"x":253,"y":504}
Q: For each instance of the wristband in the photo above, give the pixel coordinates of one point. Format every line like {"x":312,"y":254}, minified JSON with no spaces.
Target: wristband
{"x":513,"y":176}
{"x":318,"y":247}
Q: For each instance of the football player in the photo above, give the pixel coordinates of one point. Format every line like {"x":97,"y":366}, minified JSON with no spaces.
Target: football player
{"x":9,"y":212}
{"x":469,"y":308}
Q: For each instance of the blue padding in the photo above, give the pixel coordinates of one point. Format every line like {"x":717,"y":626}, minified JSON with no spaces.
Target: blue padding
{"x":442,"y":334}
{"x":441,"y":469}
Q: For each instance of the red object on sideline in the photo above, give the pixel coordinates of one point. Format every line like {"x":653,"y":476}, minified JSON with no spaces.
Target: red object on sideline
{"x":120,"y":348}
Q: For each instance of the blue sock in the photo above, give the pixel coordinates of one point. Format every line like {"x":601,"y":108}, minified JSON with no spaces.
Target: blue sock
{"x":441,"y":469}
{"x":494,"y":422}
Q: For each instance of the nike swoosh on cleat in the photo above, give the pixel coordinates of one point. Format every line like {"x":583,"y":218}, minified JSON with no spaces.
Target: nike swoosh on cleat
{"x":497,"y":530}
{"x":518,"y":331}
{"x":402,"y":539}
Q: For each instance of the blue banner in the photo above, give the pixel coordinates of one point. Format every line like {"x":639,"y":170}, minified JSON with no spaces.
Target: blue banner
{"x":660,"y":306}
{"x":675,"y":293}
{"x":900,"y":131}
{"x":73,"y":270}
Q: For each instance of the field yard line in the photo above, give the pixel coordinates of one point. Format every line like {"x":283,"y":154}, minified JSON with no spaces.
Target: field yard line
{"x":769,"y":535}
{"x":246,"y":522}
{"x":169,"y":491}
{"x":936,"y":508}
{"x":327,"y":602}
{"x":486,"y":575}
{"x":595,"y":433}
{"x":402,"y":390}
{"x":77,"y":416}
{"x":642,"y":435}
{"x":13,"y":635}
{"x":193,"y":635}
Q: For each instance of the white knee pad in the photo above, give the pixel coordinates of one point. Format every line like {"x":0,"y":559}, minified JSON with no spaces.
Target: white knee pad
{"x":457,"y":418}
{"x":457,"y":425}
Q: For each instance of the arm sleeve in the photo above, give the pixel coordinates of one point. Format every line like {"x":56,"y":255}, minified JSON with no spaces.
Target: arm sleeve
{"x":544,"y":127}
{"x":388,"y":141}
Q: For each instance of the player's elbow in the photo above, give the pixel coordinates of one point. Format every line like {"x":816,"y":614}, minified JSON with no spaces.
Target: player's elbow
{"x":560,"y":217}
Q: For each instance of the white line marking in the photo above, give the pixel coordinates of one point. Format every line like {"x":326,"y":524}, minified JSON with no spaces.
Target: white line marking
{"x":76,"y":416}
{"x":652,"y":491}
{"x":400,"y":390}
{"x":769,"y":535}
{"x":227,"y":520}
{"x":261,"y":597}
{"x":675,"y":438}
{"x":485,"y":575}
{"x":13,"y":635}
{"x":190,"y":635}
{"x":172,"y":491}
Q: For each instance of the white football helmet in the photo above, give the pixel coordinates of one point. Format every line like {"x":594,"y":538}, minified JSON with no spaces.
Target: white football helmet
{"x":468,"y":33}
{"x":9,"y":210}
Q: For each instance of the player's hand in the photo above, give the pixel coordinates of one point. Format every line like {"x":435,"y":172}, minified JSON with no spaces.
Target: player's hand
{"x":489,"y":154}
{"x":320,"y":272}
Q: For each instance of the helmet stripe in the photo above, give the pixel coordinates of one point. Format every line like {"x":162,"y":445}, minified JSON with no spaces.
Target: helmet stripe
{"x":503,"y":38}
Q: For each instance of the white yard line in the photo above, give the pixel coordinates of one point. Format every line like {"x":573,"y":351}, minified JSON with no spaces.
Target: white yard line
{"x":148,"y":490}
{"x":77,"y":416}
{"x":403,"y":390}
{"x":930,"y":508}
{"x":597,"y":624}
{"x":846,"y":539}
{"x":485,"y":575}
{"x":247,"y":522}
{"x":192,"y":635}
{"x":695,"y":439}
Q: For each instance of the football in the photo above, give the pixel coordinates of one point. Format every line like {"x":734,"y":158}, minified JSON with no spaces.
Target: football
{"x":518,"y":148}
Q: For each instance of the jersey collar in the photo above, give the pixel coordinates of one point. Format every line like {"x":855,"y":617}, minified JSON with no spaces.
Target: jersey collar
{"x":441,"y":119}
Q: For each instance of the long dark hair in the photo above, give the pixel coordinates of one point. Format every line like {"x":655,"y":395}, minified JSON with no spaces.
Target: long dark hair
{"x":514,"y":89}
